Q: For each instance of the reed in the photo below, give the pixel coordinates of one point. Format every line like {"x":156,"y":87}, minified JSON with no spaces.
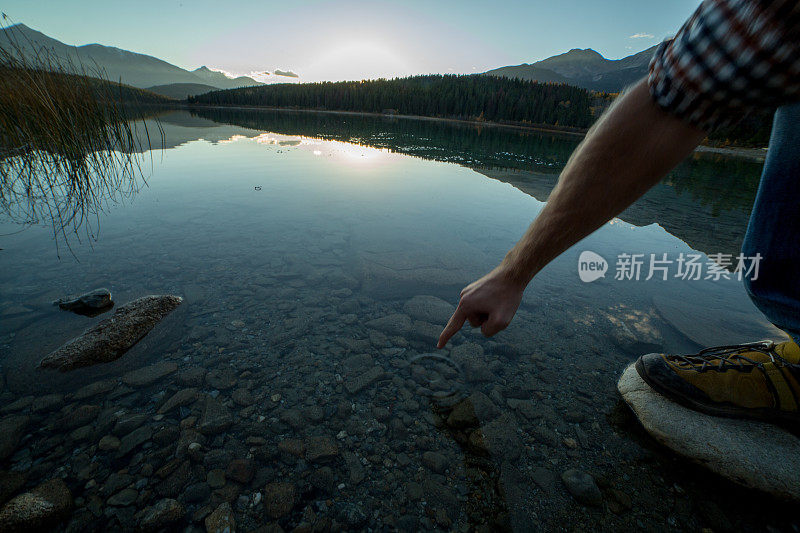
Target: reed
{"x":71,"y":141}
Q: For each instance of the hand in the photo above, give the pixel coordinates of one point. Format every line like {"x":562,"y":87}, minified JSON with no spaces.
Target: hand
{"x":489,"y":303}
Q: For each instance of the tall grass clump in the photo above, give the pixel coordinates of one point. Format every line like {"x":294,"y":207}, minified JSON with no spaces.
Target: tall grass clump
{"x":71,"y":141}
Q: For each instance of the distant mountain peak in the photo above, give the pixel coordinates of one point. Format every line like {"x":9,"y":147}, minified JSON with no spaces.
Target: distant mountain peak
{"x":586,"y":52}
{"x":583,"y":67}
{"x":576,"y":54}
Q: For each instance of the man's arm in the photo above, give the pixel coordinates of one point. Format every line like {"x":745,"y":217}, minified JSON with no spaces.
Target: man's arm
{"x":631,"y":147}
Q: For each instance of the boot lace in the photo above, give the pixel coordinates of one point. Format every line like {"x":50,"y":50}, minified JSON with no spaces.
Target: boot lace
{"x":722,"y":358}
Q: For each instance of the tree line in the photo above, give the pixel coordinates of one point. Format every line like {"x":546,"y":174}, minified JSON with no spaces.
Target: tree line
{"x":465,"y":97}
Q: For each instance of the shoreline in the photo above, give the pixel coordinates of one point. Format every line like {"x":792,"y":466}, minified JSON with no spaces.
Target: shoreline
{"x":757,"y":154}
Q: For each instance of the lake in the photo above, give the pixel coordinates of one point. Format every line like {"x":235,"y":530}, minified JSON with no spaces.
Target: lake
{"x":319,"y":256}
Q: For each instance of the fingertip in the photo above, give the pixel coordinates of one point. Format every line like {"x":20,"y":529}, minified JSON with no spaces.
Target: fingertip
{"x":442,"y":342}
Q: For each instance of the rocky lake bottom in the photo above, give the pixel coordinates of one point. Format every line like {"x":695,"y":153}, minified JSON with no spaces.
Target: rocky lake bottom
{"x":298,"y":388}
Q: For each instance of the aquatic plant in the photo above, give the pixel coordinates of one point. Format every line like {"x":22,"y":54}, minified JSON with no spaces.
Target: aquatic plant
{"x":71,"y":141}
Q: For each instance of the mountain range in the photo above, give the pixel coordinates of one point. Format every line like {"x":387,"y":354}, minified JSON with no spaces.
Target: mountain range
{"x":139,"y":70}
{"x":583,"y":68}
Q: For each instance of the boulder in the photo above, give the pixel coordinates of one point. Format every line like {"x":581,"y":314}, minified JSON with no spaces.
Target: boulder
{"x":112,"y":337}
{"x":754,"y":454}
{"x":37,"y":510}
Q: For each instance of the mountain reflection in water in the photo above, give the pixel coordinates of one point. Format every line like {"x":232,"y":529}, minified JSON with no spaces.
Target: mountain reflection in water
{"x":705,"y":201}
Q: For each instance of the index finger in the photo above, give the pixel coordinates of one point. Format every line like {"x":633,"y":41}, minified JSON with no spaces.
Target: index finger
{"x":452,"y":327}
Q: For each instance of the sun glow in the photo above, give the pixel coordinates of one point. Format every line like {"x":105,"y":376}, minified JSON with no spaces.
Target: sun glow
{"x":339,"y":151}
{"x":358,"y":60}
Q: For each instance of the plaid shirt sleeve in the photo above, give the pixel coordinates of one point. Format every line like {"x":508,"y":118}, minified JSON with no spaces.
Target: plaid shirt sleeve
{"x":730,"y":58}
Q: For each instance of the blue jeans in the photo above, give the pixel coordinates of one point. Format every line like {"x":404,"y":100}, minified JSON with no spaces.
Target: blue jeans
{"x":774,"y":227}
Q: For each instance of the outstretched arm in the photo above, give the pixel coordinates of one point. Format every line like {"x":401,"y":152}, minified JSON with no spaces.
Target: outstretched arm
{"x":631,"y":147}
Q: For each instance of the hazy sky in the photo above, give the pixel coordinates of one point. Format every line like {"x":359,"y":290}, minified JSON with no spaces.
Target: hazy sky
{"x":326,"y":40}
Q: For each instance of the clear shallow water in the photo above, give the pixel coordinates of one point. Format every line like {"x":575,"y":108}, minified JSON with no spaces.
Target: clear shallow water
{"x":289,"y":235}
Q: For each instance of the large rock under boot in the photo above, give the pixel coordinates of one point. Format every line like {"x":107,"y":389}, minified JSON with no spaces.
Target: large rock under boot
{"x":751,"y":453}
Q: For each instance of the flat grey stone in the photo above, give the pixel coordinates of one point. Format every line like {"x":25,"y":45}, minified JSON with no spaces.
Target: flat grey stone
{"x":112,"y":337}
{"x":93,"y":389}
{"x":215,"y":418}
{"x":356,"y":384}
{"x":133,"y":439}
{"x":180,"y":398}
{"x":396,"y":324}
{"x":429,"y":309}
{"x":754,"y":454}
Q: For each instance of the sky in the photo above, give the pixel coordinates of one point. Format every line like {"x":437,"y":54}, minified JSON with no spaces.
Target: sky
{"x":336,"y":40}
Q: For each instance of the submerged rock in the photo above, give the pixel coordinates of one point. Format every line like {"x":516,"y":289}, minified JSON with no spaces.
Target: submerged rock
{"x":320,"y":449}
{"x":216,"y":418}
{"x":92,"y":303}
{"x":12,"y":428}
{"x":161,"y":515}
{"x":142,"y":377}
{"x":396,"y":324}
{"x":582,"y":487}
{"x":221,"y":520}
{"x":751,"y":453}
{"x":357,"y":383}
{"x":279,"y":498}
{"x":111,"y":338}
{"x":37,"y":510}
{"x":429,"y":309}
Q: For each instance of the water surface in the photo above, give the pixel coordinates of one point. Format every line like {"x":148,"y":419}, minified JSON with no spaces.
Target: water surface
{"x":313,"y":252}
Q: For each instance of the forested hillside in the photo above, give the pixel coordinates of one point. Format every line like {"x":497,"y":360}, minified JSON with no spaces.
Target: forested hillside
{"x":446,"y":96}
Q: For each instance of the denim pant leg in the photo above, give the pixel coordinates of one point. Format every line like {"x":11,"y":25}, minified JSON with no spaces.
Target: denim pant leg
{"x":774,"y":227}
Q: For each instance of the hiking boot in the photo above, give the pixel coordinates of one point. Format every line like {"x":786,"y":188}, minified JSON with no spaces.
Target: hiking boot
{"x":759,"y":380}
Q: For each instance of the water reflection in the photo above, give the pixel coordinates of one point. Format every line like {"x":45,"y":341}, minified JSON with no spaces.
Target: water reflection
{"x":65,"y":180}
{"x":705,"y":201}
